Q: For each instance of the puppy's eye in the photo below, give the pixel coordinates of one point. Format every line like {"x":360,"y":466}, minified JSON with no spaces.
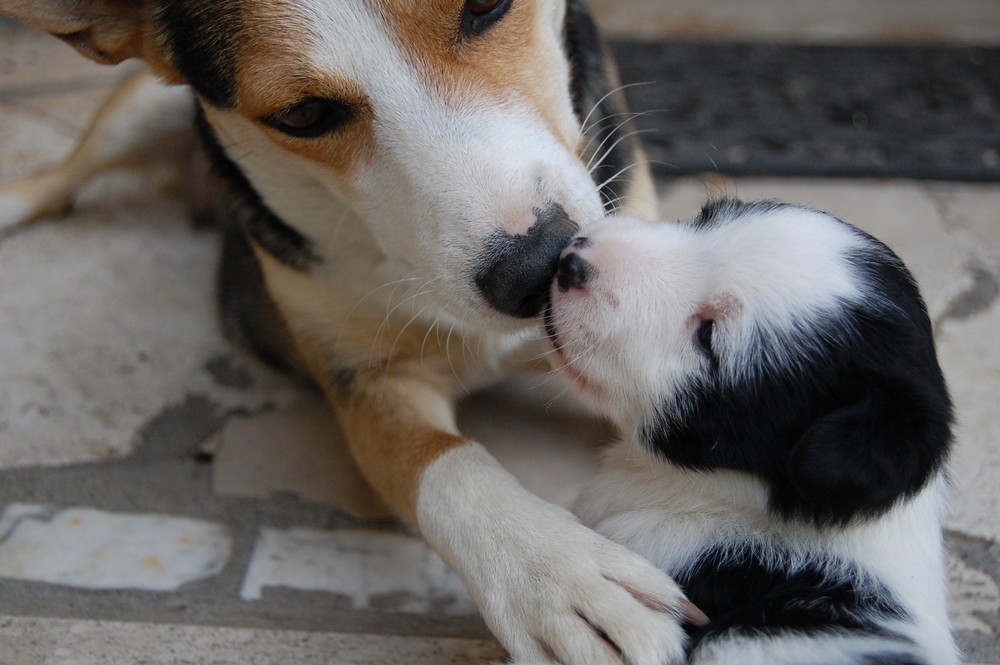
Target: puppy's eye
{"x":704,"y":337}
{"x":479,"y":15}
{"x":311,"y":117}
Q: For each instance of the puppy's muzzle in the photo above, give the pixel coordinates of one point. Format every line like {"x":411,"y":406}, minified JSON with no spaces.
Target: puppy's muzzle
{"x":514,"y":272}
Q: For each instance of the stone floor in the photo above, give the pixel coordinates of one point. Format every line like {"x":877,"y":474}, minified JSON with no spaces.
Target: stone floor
{"x":165,"y":499}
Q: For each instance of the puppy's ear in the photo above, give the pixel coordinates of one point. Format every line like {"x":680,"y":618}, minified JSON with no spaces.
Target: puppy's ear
{"x":106,"y":31}
{"x":861,"y":458}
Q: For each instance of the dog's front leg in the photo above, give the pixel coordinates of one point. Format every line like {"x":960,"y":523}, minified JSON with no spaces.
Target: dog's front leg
{"x":551,"y":589}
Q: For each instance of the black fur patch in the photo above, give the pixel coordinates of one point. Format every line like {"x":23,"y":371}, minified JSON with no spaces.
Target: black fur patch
{"x":888,"y":657}
{"x":608,"y":125}
{"x":250,"y":318}
{"x":736,"y":588}
{"x":202,"y":37}
{"x":745,"y":596}
{"x":244,"y":208}
{"x":722,"y":210}
{"x":856,"y":420}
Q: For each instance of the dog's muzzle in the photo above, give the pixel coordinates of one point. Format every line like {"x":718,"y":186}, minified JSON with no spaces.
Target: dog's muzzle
{"x":514,"y":273}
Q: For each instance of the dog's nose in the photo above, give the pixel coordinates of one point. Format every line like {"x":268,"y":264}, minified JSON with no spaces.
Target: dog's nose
{"x":574,"y":270}
{"x":514,"y":273}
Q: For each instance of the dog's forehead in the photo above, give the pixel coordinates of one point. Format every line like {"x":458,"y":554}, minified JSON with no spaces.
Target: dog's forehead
{"x":231,"y":48}
{"x":317,"y":46}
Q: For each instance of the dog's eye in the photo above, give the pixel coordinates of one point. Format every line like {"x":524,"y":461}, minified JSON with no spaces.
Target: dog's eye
{"x":704,"y":337}
{"x":311,"y":117}
{"x":479,"y":15}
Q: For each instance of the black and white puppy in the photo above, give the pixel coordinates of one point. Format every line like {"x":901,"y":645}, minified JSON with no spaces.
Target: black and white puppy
{"x":784,"y":426}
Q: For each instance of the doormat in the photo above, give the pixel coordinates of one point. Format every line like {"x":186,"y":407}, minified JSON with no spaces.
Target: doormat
{"x":869,"y":111}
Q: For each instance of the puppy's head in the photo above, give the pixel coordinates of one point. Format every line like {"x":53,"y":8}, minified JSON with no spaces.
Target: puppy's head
{"x":448,"y":134}
{"x":763,"y":338}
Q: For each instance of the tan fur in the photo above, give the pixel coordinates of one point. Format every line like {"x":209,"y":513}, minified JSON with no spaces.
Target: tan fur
{"x":515,"y":62}
{"x":342,"y":151}
{"x":397,"y":425}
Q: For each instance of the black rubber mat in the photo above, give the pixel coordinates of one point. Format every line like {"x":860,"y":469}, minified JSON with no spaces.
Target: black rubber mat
{"x":906,"y":111}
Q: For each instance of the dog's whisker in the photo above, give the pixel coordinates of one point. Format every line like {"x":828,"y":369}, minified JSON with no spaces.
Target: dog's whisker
{"x":451,"y":363}
{"x":623,"y":137}
{"x":610,"y":136}
{"x":628,"y":118}
{"x":348,"y":318}
{"x":597,"y":105}
{"x":384,"y":325}
{"x":427,"y":334}
{"x":606,"y":136}
{"x":621,"y":172}
{"x":399,"y":335}
{"x":375,"y":290}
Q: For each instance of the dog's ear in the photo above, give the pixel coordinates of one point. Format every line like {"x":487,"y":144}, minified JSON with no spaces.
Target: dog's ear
{"x":106,"y":31}
{"x":861,"y":458}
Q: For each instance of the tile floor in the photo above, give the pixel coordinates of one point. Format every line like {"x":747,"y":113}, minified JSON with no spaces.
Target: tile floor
{"x":164,"y":499}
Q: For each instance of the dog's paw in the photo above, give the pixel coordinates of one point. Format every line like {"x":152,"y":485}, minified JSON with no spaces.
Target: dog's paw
{"x":550,"y":589}
{"x":576,"y":598}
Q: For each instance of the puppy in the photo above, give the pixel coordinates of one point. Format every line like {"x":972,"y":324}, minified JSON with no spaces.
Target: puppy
{"x":398,"y":180}
{"x":784,"y":427}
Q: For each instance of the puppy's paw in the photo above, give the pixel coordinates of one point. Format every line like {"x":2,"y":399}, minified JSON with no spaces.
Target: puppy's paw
{"x":575,"y":598}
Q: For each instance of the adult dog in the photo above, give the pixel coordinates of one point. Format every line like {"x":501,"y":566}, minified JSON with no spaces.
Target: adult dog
{"x":401,"y":178}
{"x":785,"y":424}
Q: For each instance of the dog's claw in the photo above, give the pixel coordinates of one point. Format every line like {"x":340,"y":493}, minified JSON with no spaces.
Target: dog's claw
{"x":692,"y":613}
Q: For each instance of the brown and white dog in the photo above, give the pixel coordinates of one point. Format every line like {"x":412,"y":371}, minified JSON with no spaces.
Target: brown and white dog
{"x":400,"y":178}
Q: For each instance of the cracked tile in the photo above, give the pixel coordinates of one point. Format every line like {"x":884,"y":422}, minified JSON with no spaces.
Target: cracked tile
{"x":297,"y":449}
{"x":122,"y":330}
{"x":372,"y":569}
{"x":95,"y":549}
{"x":974,"y":208}
{"x":974,"y":594}
{"x":969,"y":353}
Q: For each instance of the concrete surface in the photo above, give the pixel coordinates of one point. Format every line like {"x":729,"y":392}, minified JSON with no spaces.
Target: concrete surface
{"x":128,"y":424}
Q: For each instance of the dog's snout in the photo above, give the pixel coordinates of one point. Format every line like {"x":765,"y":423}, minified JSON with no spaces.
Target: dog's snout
{"x":574,"y":271}
{"x":514,"y":272}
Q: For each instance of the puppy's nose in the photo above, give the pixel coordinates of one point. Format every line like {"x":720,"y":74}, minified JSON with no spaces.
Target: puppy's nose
{"x":514,"y":272}
{"x":573,"y":271}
